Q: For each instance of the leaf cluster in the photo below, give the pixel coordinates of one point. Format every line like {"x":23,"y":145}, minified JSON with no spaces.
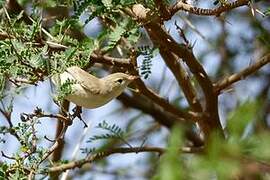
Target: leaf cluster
{"x":114,"y":132}
{"x":222,"y":159}
{"x":148,"y":54}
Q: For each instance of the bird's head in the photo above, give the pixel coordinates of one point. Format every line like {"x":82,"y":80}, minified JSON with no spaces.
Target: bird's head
{"x":117,"y":82}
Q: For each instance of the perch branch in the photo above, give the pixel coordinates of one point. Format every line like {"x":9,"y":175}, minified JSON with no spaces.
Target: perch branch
{"x":205,"y":12}
{"x":97,"y":156}
{"x":228,"y":81}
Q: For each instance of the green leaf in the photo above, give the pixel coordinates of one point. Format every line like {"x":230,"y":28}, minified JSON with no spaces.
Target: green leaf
{"x":2,"y":85}
{"x":241,"y":117}
{"x":148,"y":54}
{"x":133,"y":36}
{"x":70,"y":52}
{"x":107,"y":3}
{"x":170,"y":166}
{"x":267,"y":12}
{"x":260,"y":146}
{"x":127,"y":2}
{"x":3,"y":169}
{"x":65,"y":89}
{"x":114,"y":37}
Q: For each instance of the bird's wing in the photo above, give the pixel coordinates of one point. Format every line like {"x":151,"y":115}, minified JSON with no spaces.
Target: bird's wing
{"x":86,"y":80}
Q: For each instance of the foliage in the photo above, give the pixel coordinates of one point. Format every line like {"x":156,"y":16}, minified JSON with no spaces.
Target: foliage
{"x":126,"y":29}
{"x":224,"y":159}
{"x":170,"y":166}
{"x":242,"y":116}
{"x":267,"y":12}
{"x":114,"y":132}
{"x":29,"y":156}
{"x":148,"y":54}
{"x":109,"y":8}
{"x":65,"y":89}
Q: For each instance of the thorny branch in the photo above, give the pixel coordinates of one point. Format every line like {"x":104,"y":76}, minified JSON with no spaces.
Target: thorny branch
{"x":163,"y":117}
{"x":162,"y":39}
{"x":179,"y":5}
{"x":7,"y":115}
{"x":99,"y":155}
{"x":228,"y":81}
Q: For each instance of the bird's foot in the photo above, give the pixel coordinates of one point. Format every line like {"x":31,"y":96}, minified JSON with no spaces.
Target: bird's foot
{"x":77,"y":111}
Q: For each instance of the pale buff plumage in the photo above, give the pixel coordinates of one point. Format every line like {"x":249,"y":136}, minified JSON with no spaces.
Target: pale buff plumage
{"x":90,"y":91}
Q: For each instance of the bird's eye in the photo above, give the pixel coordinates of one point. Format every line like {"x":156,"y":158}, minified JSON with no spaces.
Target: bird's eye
{"x":119,"y":81}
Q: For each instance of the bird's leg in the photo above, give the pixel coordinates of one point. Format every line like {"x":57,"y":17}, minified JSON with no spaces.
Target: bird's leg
{"x":77,"y":113}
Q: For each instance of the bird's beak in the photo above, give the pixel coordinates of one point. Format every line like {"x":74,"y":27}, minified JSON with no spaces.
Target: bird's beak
{"x":132,"y":78}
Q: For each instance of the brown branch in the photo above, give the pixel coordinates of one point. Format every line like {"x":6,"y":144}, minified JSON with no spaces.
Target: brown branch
{"x":94,"y":157}
{"x":7,"y":116}
{"x":162,"y":39}
{"x":50,"y":151}
{"x":163,"y":117}
{"x":56,"y":116}
{"x":183,"y":116}
{"x":55,"y":150}
{"x":228,"y":81}
{"x":163,"y":9}
{"x":33,"y":147}
{"x":149,"y":93}
{"x":104,"y":59}
{"x":59,"y":136}
{"x":41,"y":43}
{"x":17,"y":82}
{"x":14,"y":7}
{"x":265,"y":106}
{"x":205,"y":12}
{"x":182,"y":78}
{"x":4,"y":35}
{"x":223,"y":48}
{"x":147,"y":106}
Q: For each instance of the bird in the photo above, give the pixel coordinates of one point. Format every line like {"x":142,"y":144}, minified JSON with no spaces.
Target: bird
{"x":89,"y":91}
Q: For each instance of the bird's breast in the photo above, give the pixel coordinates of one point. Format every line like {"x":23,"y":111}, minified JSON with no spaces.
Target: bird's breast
{"x":82,"y":97}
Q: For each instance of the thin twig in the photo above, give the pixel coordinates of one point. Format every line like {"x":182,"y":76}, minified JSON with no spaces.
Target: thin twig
{"x":228,"y":81}
{"x":97,"y":156}
{"x":179,"y":5}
